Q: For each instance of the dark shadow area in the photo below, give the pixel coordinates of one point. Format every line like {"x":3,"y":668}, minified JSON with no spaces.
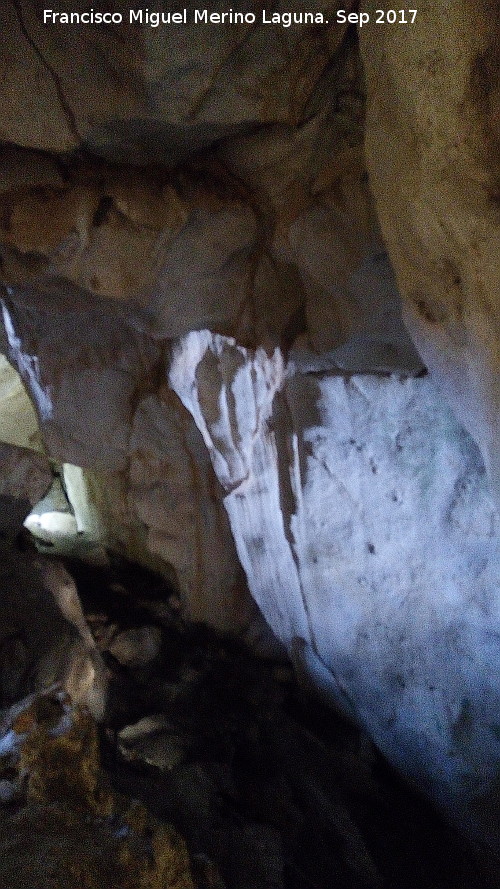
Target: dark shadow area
{"x":268,"y":785}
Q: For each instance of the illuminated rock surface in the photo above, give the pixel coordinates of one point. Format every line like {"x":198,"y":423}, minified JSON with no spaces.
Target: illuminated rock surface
{"x":362,"y":515}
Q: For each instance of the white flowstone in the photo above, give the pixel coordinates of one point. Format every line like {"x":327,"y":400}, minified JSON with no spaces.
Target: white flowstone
{"x":363,"y":518}
{"x":231,"y":398}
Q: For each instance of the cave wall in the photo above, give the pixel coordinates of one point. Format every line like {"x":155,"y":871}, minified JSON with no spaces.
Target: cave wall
{"x":198,"y":298}
{"x":432,"y":151}
{"x":105,"y":263}
{"x":363,"y":517}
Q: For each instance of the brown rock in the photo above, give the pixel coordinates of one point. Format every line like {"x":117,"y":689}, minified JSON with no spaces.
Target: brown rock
{"x":136,"y":647}
{"x":432,"y":151}
{"x":24,"y":479}
{"x":72,"y":831}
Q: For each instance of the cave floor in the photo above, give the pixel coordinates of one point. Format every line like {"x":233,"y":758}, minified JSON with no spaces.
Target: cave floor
{"x":269,"y":789}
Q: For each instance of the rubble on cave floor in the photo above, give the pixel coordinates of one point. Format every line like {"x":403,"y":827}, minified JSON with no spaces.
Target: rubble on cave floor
{"x":61,"y":824}
{"x":269,"y":789}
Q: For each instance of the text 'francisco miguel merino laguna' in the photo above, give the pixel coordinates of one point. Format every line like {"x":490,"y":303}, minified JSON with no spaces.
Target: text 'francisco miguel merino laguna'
{"x":181,"y":17}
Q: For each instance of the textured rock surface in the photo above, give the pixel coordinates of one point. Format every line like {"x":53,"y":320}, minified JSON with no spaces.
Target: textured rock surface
{"x":232,"y":752}
{"x":432,"y":148}
{"x":24,"y":479}
{"x":362,"y":516}
{"x":102,"y":403}
{"x":19,"y":421}
{"x":162,"y":93}
{"x":44,"y":637}
{"x":269,"y":236}
{"x":136,"y":647}
{"x":150,"y":200}
{"x":174,"y":492}
{"x":70,"y":830}
{"x":102,"y":261}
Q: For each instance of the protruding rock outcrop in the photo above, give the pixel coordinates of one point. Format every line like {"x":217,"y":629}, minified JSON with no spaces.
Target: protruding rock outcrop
{"x":432,"y":150}
{"x":24,"y":479}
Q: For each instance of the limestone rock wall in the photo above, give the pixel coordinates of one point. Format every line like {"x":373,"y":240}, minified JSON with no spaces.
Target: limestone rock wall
{"x":432,"y":151}
{"x":19,"y":420}
{"x":103,"y":404}
{"x":25,"y":478}
{"x":362,"y":515}
{"x":241,"y":235}
{"x":110,"y":252}
{"x":153,"y":95}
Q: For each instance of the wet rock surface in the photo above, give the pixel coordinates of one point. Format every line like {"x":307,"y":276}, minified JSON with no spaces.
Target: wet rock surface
{"x":269,"y":788}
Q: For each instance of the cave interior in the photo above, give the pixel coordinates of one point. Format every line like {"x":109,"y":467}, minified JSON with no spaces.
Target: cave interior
{"x":249,"y":461}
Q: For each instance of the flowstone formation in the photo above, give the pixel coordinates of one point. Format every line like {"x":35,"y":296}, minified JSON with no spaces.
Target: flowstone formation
{"x":198,"y":299}
{"x":366,"y":501}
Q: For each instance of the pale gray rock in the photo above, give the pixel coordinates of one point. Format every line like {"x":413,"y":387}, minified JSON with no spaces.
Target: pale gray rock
{"x":153,"y":740}
{"x":363,"y":517}
{"x":432,"y":135}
